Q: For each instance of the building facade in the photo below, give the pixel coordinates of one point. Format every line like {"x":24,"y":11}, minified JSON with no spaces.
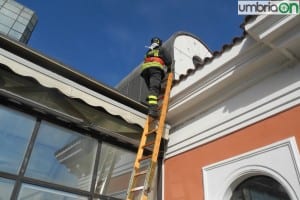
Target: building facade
{"x":16,"y":20}
{"x":239,"y":136}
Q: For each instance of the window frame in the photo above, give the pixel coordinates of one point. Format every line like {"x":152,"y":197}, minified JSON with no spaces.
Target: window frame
{"x":229,"y":173}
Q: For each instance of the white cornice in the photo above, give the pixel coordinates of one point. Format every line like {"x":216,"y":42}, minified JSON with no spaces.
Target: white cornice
{"x":266,"y":28}
{"x":245,"y":63}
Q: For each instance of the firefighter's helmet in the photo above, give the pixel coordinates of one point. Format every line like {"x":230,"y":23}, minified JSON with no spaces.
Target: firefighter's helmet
{"x":156,"y":40}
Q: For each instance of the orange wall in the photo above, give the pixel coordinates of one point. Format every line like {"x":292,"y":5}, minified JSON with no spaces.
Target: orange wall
{"x":183,"y":173}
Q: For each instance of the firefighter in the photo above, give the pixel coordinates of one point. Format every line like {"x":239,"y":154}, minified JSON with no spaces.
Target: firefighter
{"x":157,"y":61}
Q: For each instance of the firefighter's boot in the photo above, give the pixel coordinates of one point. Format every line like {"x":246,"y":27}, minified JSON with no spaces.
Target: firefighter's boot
{"x":153,"y":111}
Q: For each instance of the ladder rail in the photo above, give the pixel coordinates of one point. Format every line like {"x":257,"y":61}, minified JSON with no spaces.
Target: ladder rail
{"x":137,"y":164}
{"x":162,"y":117}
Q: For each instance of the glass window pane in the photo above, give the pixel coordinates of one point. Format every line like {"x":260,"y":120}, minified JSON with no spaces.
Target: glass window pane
{"x":29,"y":27}
{"x":62,"y":156}
{"x":30,"y":192}
{"x":19,"y":27}
{"x":28,"y":11}
{"x":15,"y":4}
{"x":15,"y":131}
{"x":4,"y":29}
{"x":25,"y":15}
{"x":34,"y":19}
{"x":9,"y":13}
{"x":259,"y":188}
{"x":6,"y":187}
{"x":1,"y":2}
{"x":12,"y":7}
{"x":114,"y":171}
{"x":6,"y":20}
{"x":15,"y":34}
{"x":23,"y":20}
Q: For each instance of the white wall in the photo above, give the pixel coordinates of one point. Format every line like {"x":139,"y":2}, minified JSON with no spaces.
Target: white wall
{"x":185,"y":47}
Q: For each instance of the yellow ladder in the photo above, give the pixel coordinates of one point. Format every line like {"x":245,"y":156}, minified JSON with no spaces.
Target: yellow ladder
{"x":151,"y":139}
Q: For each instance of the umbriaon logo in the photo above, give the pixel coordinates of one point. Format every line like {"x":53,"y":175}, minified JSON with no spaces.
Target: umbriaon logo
{"x":268,"y":7}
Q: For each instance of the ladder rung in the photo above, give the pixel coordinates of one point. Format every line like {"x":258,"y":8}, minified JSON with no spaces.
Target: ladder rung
{"x":149,"y":144}
{"x":152,"y":120}
{"x":137,"y":188}
{"x":145,"y":158}
{"x":141,"y":173}
{"x":152,"y":131}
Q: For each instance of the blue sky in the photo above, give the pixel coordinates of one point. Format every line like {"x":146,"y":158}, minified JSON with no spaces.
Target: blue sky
{"x":105,"y":39}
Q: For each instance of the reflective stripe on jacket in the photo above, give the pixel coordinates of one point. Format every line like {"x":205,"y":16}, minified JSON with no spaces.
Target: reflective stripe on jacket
{"x":152,"y":60}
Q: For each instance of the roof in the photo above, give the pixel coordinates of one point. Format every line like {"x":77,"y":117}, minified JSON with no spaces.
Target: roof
{"x":185,"y":49}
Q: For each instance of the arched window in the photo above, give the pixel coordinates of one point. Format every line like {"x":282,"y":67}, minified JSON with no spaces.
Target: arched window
{"x":259,"y":188}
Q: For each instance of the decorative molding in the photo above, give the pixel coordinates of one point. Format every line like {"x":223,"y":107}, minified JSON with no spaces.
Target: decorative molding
{"x":269,"y":97}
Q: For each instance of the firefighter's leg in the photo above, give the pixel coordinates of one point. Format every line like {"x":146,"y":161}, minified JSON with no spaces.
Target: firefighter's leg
{"x":145,"y":75}
{"x":154,"y":90}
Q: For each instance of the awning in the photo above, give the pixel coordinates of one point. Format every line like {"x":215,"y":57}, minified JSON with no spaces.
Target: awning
{"x":27,"y":90}
{"x":51,"y":74}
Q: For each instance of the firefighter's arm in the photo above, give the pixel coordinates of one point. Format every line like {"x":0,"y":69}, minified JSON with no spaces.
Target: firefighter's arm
{"x":168,"y":60}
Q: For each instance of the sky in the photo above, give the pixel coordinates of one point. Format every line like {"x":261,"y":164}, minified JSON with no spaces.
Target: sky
{"x":105,"y":39}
